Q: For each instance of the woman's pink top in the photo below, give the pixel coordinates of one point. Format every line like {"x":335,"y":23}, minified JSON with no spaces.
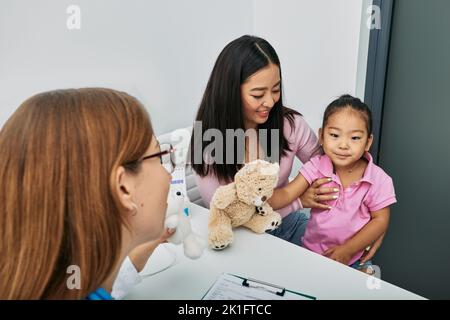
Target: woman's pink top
{"x":304,"y":145}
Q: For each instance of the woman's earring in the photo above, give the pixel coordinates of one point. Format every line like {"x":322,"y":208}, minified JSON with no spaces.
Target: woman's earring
{"x":135,"y":211}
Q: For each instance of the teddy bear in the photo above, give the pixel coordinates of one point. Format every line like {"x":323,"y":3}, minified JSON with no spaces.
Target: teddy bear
{"x":244,"y":203}
{"x":178,"y":218}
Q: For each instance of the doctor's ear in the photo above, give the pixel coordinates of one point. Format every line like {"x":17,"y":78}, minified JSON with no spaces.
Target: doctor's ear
{"x":124,"y":189}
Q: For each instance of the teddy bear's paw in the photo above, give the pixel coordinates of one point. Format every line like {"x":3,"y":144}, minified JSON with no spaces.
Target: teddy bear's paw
{"x":261,"y":211}
{"x":223,"y":246}
{"x":220,"y":243}
{"x":273,"y":223}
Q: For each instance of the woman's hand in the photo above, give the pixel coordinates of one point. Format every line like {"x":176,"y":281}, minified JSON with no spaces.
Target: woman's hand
{"x":139,"y":255}
{"x":369,"y":254}
{"x":314,"y":196}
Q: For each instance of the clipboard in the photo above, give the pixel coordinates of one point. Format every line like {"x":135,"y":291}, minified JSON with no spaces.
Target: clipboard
{"x":232,"y":287}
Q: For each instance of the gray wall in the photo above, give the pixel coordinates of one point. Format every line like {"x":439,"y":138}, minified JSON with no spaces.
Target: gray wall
{"x":415,"y":148}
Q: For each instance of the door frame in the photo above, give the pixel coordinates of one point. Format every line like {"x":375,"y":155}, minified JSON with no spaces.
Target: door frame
{"x":377,"y":66}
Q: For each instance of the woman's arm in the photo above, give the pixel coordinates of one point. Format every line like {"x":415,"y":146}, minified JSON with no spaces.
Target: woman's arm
{"x":207,"y":186}
{"x":284,"y":196}
{"x":369,"y":234}
{"x":308,"y":146}
{"x":306,"y":142}
{"x":140,"y":255}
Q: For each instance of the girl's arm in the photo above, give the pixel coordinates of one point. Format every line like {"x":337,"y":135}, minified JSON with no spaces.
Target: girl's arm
{"x":368,"y":255}
{"x":282,"y":197}
{"x":370,"y":233}
{"x":376,"y":227}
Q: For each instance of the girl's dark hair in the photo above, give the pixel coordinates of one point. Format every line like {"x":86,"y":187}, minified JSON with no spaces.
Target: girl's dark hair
{"x":221,"y":106}
{"x":348,"y":101}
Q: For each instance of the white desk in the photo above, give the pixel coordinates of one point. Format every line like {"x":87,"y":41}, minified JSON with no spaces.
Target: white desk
{"x":263,"y":257}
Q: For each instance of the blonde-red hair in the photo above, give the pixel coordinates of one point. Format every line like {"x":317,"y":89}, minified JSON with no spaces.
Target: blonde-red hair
{"x":59,"y":152}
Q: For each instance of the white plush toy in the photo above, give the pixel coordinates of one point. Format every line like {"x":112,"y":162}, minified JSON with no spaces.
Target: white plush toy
{"x":177,"y":217}
{"x":177,"y":214}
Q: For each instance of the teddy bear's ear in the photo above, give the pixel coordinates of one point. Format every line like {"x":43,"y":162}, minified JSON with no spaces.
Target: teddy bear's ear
{"x":277,"y":167}
{"x":224,"y":196}
{"x":254,"y":162}
{"x":245,"y":170}
{"x":270,"y":169}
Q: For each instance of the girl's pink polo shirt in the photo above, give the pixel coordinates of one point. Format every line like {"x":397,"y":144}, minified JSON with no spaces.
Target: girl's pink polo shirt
{"x":351,"y":211}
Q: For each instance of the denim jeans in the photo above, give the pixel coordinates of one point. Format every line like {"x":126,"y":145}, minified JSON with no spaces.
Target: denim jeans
{"x":292,"y":227}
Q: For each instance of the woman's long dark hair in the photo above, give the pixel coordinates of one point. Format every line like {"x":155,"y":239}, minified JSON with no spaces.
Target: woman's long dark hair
{"x":221,"y":107}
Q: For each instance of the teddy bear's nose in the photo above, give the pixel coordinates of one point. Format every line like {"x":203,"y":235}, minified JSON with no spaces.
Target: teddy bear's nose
{"x":264,"y":198}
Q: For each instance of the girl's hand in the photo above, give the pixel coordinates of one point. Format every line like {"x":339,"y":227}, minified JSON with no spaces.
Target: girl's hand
{"x":314,"y":196}
{"x":139,"y":255}
{"x":373,"y":249}
{"x":340,"y":254}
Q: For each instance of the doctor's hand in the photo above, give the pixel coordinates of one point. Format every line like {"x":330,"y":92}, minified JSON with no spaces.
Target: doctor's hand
{"x":140,"y":255}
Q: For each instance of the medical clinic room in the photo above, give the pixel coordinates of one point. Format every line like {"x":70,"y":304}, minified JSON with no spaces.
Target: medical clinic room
{"x":210,"y":152}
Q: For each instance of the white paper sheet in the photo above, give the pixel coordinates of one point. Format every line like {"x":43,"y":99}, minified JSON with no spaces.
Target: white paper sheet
{"x":229,"y":287}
